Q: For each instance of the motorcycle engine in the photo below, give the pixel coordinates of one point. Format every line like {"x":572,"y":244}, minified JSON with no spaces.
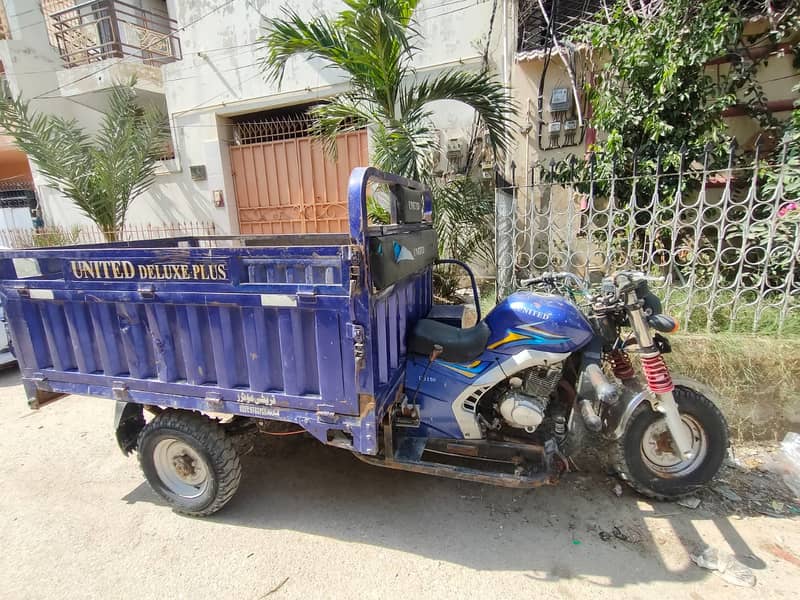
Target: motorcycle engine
{"x":524,"y":405}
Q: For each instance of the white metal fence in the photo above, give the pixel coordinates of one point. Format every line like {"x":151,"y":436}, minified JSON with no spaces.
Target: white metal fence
{"x":69,"y":236}
{"x":726,"y":241}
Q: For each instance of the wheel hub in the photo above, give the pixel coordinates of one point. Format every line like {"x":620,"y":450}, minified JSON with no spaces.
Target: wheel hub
{"x":659,"y":452}
{"x":181,"y":469}
{"x":184,"y":466}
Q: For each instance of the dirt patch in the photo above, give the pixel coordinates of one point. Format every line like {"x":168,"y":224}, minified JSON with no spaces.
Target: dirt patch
{"x":750,"y":484}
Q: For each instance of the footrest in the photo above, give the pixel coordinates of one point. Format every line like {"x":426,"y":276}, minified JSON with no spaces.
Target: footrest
{"x":400,"y":421}
{"x":495,"y":463}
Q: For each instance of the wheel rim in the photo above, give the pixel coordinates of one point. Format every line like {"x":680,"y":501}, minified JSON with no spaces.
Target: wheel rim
{"x":180,"y":468}
{"x":660,"y":455}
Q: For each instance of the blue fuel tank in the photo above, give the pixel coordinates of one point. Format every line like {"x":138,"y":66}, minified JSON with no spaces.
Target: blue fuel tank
{"x":538,"y":321}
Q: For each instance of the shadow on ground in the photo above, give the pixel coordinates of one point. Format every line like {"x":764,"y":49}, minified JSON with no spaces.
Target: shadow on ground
{"x":10,"y":376}
{"x":579,"y":528}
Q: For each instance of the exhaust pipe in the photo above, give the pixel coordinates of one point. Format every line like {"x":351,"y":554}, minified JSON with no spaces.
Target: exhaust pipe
{"x":604,"y":390}
{"x":590,"y":417}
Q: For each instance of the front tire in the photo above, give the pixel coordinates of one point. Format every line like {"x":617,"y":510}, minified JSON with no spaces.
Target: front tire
{"x":189,"y":461}
{"x":645,"y":454}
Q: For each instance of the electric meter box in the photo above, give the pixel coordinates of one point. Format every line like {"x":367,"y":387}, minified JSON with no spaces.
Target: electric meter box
{"x":560,"y":100}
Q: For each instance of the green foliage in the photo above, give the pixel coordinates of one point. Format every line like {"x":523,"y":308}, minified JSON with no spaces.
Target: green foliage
{"x":789,"y":172}
{"x":102,"y":174}
{"x":652,"y":89}
{"x":654,"y":98}
{"x":55,"y":236}
{"x":464,"y":219}
{"x":376,"y":213}
{"x":774,"y":240}
{"x":373,"y":41}
{"x":653,"y":94}
{"x":735,"y":313}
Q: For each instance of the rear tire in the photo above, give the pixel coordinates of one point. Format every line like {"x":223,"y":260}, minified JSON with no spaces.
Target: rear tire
{"x":189,"y":461}
{"x":645,"y":456}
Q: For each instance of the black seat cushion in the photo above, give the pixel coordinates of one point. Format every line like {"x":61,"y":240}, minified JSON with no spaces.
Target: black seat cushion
{"x":459,"y":345}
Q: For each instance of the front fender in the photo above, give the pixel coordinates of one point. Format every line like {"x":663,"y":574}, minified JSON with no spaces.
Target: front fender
{"x":616,"y":417}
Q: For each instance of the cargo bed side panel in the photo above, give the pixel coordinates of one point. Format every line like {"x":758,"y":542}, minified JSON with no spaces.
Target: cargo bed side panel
{"x":268,"y":333}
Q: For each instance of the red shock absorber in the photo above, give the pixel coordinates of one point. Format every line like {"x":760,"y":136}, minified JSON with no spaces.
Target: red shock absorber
{"x":657,"y":374}
{"x":621,"y":365}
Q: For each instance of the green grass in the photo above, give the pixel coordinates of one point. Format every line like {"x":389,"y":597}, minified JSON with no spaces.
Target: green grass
{"x":487,"y":293}
{"x":757,"y":378}
{"x":699,"y":317}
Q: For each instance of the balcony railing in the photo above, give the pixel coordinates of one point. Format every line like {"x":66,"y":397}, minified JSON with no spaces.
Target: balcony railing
{"x":563,"y":16}
{"x":95,"y":31}
{"x":535,"y":32}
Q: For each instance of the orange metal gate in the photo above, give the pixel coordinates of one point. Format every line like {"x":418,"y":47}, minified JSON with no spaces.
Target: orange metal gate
{"x":292,"y":186}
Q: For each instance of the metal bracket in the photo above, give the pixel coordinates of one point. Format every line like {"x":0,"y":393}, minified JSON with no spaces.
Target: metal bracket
{"x":356,"y":333}
{"x":355,"y":272}
{"x":119,"y":391}
{"x":41,"y":383}
{"x":326,"y":416}
{"x":214,"y":401}
{"x":147,"y":292}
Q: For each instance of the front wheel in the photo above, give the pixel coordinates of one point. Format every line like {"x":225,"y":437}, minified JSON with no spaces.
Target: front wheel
{"x":647,"y":459}
{"x":189,"y":461}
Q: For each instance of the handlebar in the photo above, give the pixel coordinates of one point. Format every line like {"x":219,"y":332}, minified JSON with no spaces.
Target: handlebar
{"x":620,"y":280}
{"x":549,"y":277}
{"x":636,"y":276}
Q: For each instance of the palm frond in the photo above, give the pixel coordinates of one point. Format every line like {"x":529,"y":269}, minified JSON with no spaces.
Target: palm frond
{"x":101,"y":176}
{"x":343,"y":114}
{"x":407,"y":147}
{"x":130,"y":142}
{"x":400,"y":10}
{"x":290,"y":35}
{"x":464,"y":219}
{"x":478,"y":90}
{"x":384,"y":19}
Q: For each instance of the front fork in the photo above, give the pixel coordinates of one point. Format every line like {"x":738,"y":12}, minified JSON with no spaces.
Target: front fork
{"x":659,"y":381}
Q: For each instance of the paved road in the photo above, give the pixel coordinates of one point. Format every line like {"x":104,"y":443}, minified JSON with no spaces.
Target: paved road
{"x":77,"y":521}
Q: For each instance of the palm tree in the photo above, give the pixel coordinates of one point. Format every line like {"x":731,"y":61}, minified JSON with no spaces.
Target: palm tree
{"x":101,"y":174}
{"x":373,"y":41}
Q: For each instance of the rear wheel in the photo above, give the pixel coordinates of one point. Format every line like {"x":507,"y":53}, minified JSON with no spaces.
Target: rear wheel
{"x":646,"y":456}
{"x":189,"y":461}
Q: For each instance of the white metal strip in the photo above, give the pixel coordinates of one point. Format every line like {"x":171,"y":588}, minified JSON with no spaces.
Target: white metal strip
{"x":278,"y":300}
{"x":38,"y":294}
{"x":26,"y":267}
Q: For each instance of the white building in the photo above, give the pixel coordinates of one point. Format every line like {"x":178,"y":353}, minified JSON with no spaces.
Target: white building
{"x":241,"y":156}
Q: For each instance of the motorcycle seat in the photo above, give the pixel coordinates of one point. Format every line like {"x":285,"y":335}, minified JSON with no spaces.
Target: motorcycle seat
{"x":458,"y":345}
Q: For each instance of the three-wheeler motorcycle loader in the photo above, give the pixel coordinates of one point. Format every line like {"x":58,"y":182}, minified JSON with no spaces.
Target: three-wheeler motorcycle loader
{"x":337,"y":335}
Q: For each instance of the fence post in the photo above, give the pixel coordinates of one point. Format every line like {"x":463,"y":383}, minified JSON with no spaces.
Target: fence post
{"x":504,"y":234}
